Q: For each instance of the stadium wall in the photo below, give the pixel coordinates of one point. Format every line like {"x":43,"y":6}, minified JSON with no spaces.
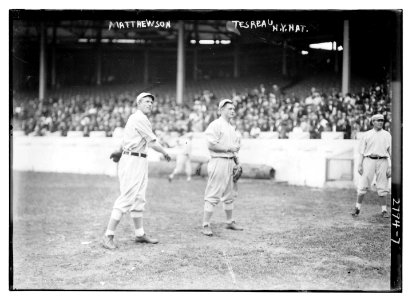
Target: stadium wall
{"x":297,"y":162}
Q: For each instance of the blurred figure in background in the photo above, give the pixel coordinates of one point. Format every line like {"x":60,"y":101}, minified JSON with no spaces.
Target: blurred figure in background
{"x":183,"y":158}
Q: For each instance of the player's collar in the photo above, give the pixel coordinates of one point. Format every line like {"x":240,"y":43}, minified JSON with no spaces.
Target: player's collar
{"x":226,"y":121}
{"x":140,"y":112}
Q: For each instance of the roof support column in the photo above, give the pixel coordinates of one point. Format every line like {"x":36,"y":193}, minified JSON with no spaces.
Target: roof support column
{"x":195,"y":68}
{"x":346,"y":59}
{"x":180,"y":63}
{"x":42,"y":67}
{"x":99,"y":59}
{"x":285,"y":59}
{"x":146,"y":67}
{"x":236,"y":61}
{"x":53,"y":58}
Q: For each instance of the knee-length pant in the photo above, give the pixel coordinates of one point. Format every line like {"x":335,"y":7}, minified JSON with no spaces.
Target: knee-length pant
{"x":133,"y":177}
{"x":220,"y":186}
{"x":370,"y":168}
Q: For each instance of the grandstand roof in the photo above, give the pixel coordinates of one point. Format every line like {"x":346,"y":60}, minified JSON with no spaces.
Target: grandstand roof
{"x":69,"y":26}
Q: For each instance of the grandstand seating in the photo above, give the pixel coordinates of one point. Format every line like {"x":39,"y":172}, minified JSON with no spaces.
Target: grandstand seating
{"x":81,"y":111}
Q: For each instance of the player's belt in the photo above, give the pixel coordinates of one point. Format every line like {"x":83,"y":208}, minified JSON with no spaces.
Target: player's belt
{"x":135,"y":153}
{"x":232,"y":157}
{"x":376,"y":157}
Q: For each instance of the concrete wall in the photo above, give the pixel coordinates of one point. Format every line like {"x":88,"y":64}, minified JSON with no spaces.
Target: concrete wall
{"x":298,"y":162}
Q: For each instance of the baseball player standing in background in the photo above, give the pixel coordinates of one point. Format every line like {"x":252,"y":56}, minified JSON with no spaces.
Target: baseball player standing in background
{"x":183,"y":162}
{"x":223,"y":144}
{"x":375,"y":158}
{"x":133,"y":171}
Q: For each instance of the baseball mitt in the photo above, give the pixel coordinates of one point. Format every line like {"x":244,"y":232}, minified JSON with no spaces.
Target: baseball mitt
{"x":115,"y":156}
{"x":237,"y":172}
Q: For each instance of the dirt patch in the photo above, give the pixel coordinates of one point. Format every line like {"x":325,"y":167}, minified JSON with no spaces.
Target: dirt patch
{"x":295,"y":238}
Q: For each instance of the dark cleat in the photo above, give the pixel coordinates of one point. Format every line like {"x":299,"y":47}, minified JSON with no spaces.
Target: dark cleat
{"x":145,"y":239}
{"x":207,"y":230}
{"x":385,"y":214}
{"x":233,"y":226}
{"x":355,"y":212}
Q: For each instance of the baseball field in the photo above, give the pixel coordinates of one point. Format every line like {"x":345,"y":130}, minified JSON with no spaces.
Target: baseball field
{"x":295,"y":238}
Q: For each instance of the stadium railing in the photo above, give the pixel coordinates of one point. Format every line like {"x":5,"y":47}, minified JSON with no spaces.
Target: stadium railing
{"x":299,"y":135}
{"x":332,"y":135}
{"x":97,"y":134}
{"x":75,"y":134}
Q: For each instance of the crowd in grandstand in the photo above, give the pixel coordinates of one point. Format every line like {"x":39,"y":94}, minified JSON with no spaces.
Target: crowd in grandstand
{"x":262,"y":109}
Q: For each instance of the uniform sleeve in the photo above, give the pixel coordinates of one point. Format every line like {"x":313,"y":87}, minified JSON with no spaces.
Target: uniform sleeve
{"x":143,"y":126}
{"x":212,"y":134}
{"x":362,"y":144}
{"x":238,"y":138}
{"x":389,"y":145}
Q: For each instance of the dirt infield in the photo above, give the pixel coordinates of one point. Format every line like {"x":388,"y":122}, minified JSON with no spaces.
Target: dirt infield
{"x":295,"y":238}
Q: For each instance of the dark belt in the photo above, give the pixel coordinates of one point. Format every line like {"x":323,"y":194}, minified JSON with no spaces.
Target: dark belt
{"x":376,"y":157}
{"x":135,"y":153}
{"x":224,"y":157}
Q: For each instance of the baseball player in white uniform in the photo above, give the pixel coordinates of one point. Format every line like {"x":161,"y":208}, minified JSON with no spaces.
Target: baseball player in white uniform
{"x":183,"y":161}
{"x":133,"y":171}
{"x":375,"y":158}
{"x":223,"y":144}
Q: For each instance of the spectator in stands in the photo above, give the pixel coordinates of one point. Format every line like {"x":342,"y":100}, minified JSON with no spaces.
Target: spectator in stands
{"x":255,"y":130}
{"x":260,"y":108}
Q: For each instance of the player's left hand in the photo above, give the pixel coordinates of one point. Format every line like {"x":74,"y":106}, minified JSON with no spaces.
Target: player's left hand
{"x":237,"y":172}
{"x":167,"y":157}
{"x":388,"y":173}
{"x":115,"y":156}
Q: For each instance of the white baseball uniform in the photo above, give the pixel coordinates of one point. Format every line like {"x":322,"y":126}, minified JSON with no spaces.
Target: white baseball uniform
{"x":220,"y":186}
{"x":133,"y":170}
{"x":375,"y":146}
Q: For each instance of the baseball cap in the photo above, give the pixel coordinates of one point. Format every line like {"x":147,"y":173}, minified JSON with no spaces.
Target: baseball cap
{"x":142,"y":95}
{"x":377,"y":117}
{"x":223,"y":102}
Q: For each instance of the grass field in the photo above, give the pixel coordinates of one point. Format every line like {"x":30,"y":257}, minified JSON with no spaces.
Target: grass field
{"x":295,"y":238}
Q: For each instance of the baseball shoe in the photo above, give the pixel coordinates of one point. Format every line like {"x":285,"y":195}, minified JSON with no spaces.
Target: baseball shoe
{"x":355,"y":212}
{"x":233,"y":226}
{"x":207,"y":230}
{"x":189,"y":179}
{"x":385,"y":214}
{"x":170,"y":178}
{"x":108,"y":243}
{"x":145,"y":239}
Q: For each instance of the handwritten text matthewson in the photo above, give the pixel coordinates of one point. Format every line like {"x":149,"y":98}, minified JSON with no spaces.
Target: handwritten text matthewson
{"x":138,"y":24}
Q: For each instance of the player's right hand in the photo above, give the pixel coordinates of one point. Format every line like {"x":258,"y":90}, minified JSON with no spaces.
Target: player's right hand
{"x":234,"y":149}
{"x":360,"y":169}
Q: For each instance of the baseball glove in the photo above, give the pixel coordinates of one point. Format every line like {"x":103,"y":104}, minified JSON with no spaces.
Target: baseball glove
{"x":115,"y":156}
{"x":237,"y":172}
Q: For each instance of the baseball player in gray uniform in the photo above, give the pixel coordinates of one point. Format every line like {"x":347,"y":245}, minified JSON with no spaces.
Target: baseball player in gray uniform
{"x":375,"y":158}
{"x":133,"y":171}
{"x":223,"y":144}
